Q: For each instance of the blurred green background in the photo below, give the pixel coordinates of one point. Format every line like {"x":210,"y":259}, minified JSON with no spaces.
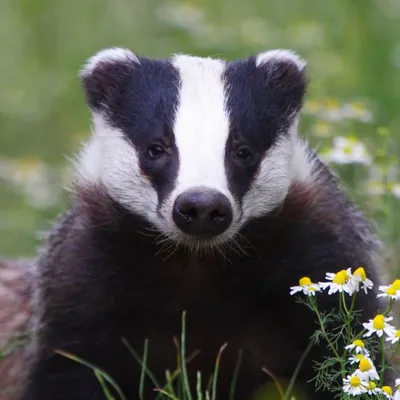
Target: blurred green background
{"x":352,"y":113}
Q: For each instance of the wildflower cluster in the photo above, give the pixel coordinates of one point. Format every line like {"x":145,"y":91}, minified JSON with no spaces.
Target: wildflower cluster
{"x":348,"y":150}
{"x":355,"y":363}
{"x":342,"y":281}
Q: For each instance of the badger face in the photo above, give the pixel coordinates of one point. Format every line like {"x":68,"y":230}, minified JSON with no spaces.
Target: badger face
{"x":196,"y":146}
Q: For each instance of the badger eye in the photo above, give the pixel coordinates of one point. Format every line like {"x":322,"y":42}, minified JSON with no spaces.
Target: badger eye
{"x":243,"y":153}
{"x":156,"y":151}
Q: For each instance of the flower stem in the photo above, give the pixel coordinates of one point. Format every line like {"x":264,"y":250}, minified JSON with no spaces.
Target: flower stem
{"x":343,"y":301}
{"x":391,"y":302}
{"x":382,"y":342}
{"x":332,"y":347}
{"x":353,"y":302}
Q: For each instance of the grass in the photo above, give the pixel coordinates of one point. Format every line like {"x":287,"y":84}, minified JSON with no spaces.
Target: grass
{"x":177,"y":385}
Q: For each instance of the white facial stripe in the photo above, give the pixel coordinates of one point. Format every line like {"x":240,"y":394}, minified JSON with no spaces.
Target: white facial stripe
{"x":284,"y":163}
{"x":110,"y":160}
{"x":302,"y":163}
{"x":201,"y":124}
{"x":272,"y":182}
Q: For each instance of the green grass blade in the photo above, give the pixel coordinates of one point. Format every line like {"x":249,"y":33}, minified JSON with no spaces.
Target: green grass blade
{"x":183,"y":358}
{"x":296,"y":371}
{"x":235,"y":375}
{"x":104,"y":374}
{"x":103,"y":384}
{"x":170,"y":396}
{"x":215,"y":378}
{"x":170,"y":379}
{"x":137,"y":358}
{"x":198,"y":387}
{"x":143,"y":371}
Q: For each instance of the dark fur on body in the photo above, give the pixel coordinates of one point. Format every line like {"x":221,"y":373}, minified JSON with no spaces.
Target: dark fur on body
{"x":16,"y":311}
{"x":103,"y":279}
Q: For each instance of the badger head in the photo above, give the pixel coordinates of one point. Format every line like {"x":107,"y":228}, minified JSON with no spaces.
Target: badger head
{"x":196,"y":146}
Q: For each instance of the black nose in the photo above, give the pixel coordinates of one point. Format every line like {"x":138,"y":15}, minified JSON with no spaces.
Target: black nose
{"x":204,"y":213}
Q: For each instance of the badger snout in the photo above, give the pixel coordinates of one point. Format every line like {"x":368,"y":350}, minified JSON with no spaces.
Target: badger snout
{"x":204,"y":213}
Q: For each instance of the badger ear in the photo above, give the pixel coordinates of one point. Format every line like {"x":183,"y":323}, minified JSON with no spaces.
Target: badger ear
{"x":285,"y":77}
{"x":104,"y":75}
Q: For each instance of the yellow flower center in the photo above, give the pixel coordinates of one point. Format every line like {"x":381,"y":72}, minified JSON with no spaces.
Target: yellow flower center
{"x":305,"y":281}
{"x":359,"y":357}
{"x":387,"y":389}
{"x":396,"y":284}
{"x":341,"y":277}
{"x":397,"y":334}
{"x":355,"y":381}
{"x":347,"y":150}
{"x":361,"y":273}
{"x":391,"y":291}
{"x":378,"y":322}
{"x":358,"y":343}
{"x":365,"y":365}
{"x":371,"y":385}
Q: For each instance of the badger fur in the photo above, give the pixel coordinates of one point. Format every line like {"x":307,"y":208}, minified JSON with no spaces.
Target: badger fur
{"x":195,"y":193}
{"x":16,"y":312}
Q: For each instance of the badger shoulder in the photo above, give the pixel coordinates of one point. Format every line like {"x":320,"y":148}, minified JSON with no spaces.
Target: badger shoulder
{"x":326,"y":199}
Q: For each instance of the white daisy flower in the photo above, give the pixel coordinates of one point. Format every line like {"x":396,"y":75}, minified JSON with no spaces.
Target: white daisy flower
{"x":394,"y":337}
{"x":372,"y":388}
{"x":359,"y":277}
{"x":378,"y":325}
{"x":358,"y":111}
{"x":358,"y":346}
{"x":354,"y":385}
{"x":396,"y":395}
{"x":356,"y":359}
{"x":366,"y":370}
{"x":348,"y":150}
{"x":341,"y":282}
{"x":389,"y":291}
{"x":396,"y":190}
{"x":305,"y":286}
{"x":387,"y":392}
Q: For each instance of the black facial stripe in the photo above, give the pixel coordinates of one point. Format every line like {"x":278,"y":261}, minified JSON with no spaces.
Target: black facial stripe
{"x":244,"y":103}
{"x":144,"y":110}
{"x":260,"y":102}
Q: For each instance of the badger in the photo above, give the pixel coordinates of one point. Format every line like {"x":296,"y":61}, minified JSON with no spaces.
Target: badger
{"x":194,"y":194}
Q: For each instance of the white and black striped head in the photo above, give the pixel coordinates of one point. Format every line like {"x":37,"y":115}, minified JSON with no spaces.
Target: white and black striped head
{"x":197,"y":146}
